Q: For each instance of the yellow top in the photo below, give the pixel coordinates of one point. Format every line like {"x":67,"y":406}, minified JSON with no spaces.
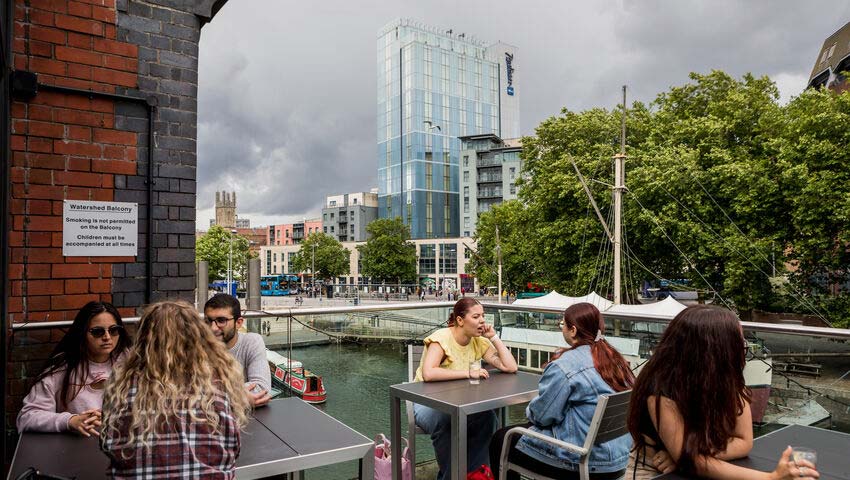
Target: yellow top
{"x":457,"y":357}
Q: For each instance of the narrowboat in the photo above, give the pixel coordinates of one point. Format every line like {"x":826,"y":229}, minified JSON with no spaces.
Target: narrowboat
{"x":291,"y":374}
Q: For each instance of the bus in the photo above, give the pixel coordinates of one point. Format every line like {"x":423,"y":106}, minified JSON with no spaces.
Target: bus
{"x":278,"y":285}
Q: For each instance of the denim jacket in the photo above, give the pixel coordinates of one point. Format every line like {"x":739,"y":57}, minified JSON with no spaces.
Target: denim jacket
{"x":563,"y":409}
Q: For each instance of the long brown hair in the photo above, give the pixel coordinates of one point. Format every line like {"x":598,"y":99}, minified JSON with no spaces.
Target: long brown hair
{"x":612,"y":367}
{"x":461,"y":308}
{"x":699,"y":365}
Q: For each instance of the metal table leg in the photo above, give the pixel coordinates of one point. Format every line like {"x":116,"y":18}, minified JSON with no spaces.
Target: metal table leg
{"x":366,"y":465}
{"x":459,"y":439}
{"x":395,"y":435}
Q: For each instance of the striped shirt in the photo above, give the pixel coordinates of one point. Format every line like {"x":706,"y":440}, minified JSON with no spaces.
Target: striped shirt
{"x":180,"y":447}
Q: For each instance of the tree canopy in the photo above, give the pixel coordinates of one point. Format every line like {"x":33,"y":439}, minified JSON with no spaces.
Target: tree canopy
{"x":388,"y":255}
{"x":214,"y":247}
{"x":331,"y":261}
{"x":724,"y":185}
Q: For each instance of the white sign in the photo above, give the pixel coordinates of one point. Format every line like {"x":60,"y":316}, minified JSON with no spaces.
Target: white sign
{"x":100,"y":229}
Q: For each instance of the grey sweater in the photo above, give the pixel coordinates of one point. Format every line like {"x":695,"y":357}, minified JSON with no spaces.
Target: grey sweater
{"x":250,"y":352}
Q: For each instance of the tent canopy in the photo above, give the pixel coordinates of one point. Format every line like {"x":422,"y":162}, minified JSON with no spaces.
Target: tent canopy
{"x":665,"y":309}
{"x":554,"y":299}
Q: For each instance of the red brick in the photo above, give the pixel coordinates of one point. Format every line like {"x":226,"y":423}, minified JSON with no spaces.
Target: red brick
{"x":45,"y":34}
{"x":116,"y":48}
{"x":41,"y":17}
{"x":119,"y":167}
{"x":49,"y":5}
{"x":75,"y":271}
{"x":75,"y":117}
{"x":44,"y":129}
{"x":103,"y":285}
{"x":120,"y":63}
{"x":21,"y":62}
{"x":19,"y":127}
{"x":39,"y":239}
{"x":104,"y":15}
{"x":109,"y":32}
{"x":77,"y":193}
{"x":19,"y":109}
{"x":39,"y":207}
{"x":43,"y":192}
{"x":38,"y":176}
{"x":77,"y":286}
{"x":58,"y":209}
{"x":108,"y":181}
{"x":38,"y":303}
{"x":101,"y":105}
{"x":16,"y":239}
{"x":102,"y":195}
{"x":19,"y":45}
{"x":79,"y":9}
{"x":40,"y":160}
{"x":83,"y":72}
{"x":74,"y":132}
{"x":40,"y":112}
{"x":113,"y":77}
{"x":76,"y":148}
{"x":41,"y":145}
{"x":16,"y":271}
{"x":103,"y":3}
{"x":44,"y":223}
{"x":78,"y":55}
{"x":56,"y":240}
{"x":73,"y":83}
{"x":79,"y":25}
{"x":79,"y":164}
{"x":45,"y":287}
{"x":46,"y":66}
{"x":79,"y":40}
{"x":44,"y":255}
{"x":19,"y":142}
{"x":116,"y":137}
{"x":72,"y":301}
{"x":15,"y":304}
{"x":39,"y":49}
{"x":78,"y":179}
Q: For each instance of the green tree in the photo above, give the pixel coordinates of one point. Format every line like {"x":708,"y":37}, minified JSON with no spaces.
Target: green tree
{"x":518,"y":259}
{"x":214,"y":248}
{"x":331,"y":258}
{"x":388,"y":255}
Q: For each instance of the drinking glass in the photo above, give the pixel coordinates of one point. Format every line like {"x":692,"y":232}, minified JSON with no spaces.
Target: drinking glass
{"x":804,"y":453}
{"x":474,"y":374}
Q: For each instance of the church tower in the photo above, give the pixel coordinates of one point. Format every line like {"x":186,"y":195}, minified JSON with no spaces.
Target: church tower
{"x":225,"y":209}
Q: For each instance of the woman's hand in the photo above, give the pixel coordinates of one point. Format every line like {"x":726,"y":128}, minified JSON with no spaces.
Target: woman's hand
{"x":86,"y":423}
{"x":489,"y":331}
{"x":663,"y":462}
{"x":482,"y":373}
{"x":788,"y":469}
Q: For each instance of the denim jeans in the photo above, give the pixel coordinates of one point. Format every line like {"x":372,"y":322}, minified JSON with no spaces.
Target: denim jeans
{"x":479,"y":429}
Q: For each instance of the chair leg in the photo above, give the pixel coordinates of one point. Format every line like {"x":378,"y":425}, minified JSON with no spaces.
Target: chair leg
{"x":584,"y":468}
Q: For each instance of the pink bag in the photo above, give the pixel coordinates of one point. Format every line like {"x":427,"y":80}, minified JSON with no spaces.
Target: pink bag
{"x":383,"y":460}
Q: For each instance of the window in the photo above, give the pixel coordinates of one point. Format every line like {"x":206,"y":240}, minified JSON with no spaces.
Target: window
{"x":465,"y":192}
{"x":513,"y":172}
{"x":332,"y":229}
{"x":513,"y":189}
{"x":466,"y":234}
{"x":325,"y":229}
{"x":466,"y":160}
{"x":325,"y":217}
{"x":466,"y":222}
{"x":332,"y":203}
{"x":467,"y":252}
{"x":332,"y":215}
{"x":355,"y":201}
{"x":466,"y":175}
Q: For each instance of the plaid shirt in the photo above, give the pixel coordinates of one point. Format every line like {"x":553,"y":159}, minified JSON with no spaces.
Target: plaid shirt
{"x":180,"y":448}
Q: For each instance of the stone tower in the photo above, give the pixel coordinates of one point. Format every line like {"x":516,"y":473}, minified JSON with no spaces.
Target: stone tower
{"x":225,"y":209}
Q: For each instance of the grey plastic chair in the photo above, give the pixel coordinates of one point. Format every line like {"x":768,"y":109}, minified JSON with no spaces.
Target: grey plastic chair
{"x":608,"y":423}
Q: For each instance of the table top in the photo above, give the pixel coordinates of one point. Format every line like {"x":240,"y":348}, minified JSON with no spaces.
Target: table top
{"x":832,"y":448}
{"x":494,"y":392}
{"x":287,"y":435}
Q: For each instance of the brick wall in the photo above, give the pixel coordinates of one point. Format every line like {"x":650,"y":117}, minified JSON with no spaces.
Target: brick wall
{"x":72,"y":147}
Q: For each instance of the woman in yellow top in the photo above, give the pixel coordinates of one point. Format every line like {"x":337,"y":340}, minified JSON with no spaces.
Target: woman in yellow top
{"x":449,"y":351}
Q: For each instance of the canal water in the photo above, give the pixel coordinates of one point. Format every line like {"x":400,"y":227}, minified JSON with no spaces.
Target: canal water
{"x":357,"y":379}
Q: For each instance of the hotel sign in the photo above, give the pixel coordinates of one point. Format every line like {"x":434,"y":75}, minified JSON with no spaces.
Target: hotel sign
{"x":509,"y":60}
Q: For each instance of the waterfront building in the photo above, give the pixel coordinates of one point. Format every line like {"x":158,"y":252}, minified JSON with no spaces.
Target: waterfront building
{"x":435,"y":86}
{"x":292,"y":233}
{"x":345,"y":217}
{"x":452,"y":255}
{"x":833,"y":59}
{"x":489,"y":169}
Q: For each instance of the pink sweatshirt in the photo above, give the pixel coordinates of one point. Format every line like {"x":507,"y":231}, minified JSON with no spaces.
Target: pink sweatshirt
{"x":41,"y":413}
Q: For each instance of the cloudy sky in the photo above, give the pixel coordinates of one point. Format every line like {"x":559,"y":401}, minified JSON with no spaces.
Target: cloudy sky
{"x":287,"y":92}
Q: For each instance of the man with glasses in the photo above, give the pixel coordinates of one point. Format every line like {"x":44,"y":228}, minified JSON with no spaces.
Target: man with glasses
{"x":224,"y":315}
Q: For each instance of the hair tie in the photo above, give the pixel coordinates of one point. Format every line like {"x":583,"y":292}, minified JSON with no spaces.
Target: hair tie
{"x":598,"y":336}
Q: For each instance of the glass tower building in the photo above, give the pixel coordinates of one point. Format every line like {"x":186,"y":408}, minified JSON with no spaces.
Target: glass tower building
{"x":433,"y":87}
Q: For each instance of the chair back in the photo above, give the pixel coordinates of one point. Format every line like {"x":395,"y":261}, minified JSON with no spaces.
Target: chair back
{"x":414,"y":356}
{"x":610,"y":418}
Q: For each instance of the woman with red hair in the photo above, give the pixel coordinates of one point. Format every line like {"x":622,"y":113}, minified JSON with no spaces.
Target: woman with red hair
{"x":568,"y":393}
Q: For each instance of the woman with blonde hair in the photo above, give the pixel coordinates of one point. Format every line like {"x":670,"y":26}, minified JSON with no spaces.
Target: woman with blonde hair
{"x":176,"y":405}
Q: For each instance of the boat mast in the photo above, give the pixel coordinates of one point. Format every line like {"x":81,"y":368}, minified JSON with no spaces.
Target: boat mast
{"x":619,"y":186}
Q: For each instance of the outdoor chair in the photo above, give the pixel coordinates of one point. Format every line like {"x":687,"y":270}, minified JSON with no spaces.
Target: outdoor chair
{"x":414,"y":355}
{"x":609,"y":422}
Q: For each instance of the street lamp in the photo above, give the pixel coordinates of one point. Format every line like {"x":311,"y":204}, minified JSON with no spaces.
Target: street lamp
{"x":230,"y":264}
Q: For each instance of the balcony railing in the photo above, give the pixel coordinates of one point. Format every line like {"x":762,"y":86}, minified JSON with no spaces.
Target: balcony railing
{"x":488,"y":162}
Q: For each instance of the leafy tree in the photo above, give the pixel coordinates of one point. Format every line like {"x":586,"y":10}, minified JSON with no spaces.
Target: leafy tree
{"x":214,"y":248}
{"x":518,"y":260}
{"x":388,"y":255}
{"x":332,"y":259}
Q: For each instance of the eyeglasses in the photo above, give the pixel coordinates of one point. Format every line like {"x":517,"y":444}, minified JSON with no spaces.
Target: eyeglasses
{"x":561,"y":324}
{"x":220,"y":321}
{"x":113,"y":330}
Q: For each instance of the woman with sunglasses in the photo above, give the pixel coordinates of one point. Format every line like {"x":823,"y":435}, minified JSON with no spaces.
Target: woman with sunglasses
{"x":568,"y":392}
{"x":68,"y":394}
{"x":695,"y":423}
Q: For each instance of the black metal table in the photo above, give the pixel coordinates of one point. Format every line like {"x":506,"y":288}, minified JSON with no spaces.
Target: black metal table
{"x":459,"y":399}
{"x":286,"y":436}
{"x":833,"y":449}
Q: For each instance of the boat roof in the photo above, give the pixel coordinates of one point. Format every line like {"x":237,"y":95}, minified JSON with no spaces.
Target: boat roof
{"x":549,"y":338}
{"x":279,"y":360}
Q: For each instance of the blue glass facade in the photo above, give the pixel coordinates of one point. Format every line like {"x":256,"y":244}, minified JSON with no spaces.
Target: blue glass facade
{"x":433,"y":87}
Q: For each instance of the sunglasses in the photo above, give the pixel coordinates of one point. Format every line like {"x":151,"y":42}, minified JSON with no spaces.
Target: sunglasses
{"x":220,"y":321}
{"x":114,"y":330}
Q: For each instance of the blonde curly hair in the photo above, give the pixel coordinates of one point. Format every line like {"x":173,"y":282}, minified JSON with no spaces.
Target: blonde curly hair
{"x":175,"y":365}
